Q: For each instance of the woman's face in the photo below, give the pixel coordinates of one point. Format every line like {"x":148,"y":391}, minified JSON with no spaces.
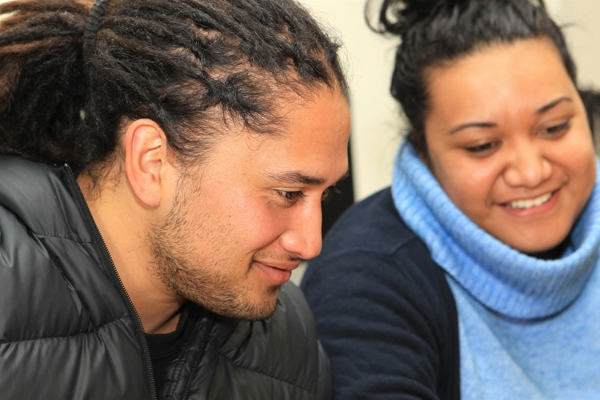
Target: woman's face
{"x":508,"y":140}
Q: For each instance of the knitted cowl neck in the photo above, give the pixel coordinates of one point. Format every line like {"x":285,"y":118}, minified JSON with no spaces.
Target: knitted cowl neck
{"x":502,"y":278}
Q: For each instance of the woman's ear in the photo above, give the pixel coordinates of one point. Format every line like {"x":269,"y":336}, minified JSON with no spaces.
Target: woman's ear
{"x":146,"y":160}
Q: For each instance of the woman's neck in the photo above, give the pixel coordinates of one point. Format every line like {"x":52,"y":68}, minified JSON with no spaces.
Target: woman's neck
{"x":554,"y":253}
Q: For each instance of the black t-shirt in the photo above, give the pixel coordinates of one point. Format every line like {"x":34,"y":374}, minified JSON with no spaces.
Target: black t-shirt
{"x":164,"y":348}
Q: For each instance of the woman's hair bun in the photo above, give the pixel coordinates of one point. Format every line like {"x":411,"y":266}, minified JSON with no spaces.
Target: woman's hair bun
{"x":397,"y":16}
{"x":422,"y":3}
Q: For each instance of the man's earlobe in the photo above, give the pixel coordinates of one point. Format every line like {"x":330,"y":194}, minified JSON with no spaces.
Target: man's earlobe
{"x":146,"y":160}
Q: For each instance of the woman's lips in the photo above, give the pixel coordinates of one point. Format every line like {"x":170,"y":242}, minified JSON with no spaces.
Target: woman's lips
{"x":528,"y":203}
{"x":532,"y":206}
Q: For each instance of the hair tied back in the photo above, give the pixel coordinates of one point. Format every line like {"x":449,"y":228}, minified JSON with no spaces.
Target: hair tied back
{"x":424,"y":8}
{"x":91,"y":27}
{"x":397,"y":16}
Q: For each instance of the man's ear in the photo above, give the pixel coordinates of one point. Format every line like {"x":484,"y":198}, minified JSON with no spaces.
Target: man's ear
{"x":146,"y":160}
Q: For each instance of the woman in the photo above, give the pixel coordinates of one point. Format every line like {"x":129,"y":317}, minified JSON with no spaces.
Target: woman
{"x":474,"y":276}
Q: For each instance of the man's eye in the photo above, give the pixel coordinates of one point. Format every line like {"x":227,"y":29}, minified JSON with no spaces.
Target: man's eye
{"x":326,"y":196}
{"x":291,"y":197}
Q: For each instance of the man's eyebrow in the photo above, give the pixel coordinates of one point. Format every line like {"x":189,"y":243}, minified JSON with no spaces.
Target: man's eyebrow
{"x":473,"y":125}
{"x":553,"y":104}
{"x":295,"y":177}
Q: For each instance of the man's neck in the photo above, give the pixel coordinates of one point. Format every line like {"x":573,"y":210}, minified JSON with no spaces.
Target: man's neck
{"x":123,"y":225}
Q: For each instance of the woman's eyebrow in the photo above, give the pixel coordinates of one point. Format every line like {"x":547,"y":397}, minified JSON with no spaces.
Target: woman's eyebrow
{"x":541,"y":110}
{"x":553,"y":104}
{"x":473,"y":125}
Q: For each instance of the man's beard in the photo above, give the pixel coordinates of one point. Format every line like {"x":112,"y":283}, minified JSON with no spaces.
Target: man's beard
{"x":184,"y":268}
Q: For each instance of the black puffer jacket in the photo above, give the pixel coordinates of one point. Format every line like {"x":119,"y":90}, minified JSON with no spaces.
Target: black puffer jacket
{"x":69,"y":331}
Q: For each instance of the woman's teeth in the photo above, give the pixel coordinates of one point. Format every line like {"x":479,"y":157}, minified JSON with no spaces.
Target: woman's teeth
{"x":522,"y":204}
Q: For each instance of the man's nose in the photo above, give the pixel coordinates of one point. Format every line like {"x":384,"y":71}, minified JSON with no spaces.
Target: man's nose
{"x":303,"y":237}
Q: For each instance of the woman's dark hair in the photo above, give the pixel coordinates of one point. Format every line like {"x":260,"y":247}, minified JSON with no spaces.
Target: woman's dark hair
{"x":189,"y":65}
{"x":436,"y":32}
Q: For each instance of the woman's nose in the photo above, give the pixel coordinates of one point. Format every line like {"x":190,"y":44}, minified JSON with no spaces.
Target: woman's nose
{"x":529,"y":167}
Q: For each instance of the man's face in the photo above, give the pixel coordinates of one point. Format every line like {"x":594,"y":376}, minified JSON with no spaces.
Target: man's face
{"x":252,"y":211}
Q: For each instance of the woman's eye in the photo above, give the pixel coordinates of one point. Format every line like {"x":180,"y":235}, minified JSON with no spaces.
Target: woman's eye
{"x":482,"y":147}
{"x":291,"y":197}
{"x":557,"y":129}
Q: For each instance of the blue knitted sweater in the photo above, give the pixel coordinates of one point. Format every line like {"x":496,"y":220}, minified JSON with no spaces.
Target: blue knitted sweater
{"x":528,"y":328}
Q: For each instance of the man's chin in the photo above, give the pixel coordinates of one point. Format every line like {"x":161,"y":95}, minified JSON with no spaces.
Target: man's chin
{"x":251,"y":315}
{"x":263,"y":311}
{"x":258,"y":317}
{"x":250,"y":310}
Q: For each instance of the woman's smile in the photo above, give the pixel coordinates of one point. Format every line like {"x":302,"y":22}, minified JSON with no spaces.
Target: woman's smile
{"x":538,"y":207}
{"x":529,"y":203}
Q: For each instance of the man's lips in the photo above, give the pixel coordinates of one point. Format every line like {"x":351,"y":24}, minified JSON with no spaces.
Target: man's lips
{"x":277,"y":273}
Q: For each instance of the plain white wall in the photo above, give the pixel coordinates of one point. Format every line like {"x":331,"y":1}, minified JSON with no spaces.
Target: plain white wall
{"x":582,"y":28}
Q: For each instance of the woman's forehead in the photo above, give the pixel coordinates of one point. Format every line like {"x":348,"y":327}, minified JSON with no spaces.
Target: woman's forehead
{"x":524,"y":75}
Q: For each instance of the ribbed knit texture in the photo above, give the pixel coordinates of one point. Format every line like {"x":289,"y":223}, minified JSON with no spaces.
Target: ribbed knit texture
{"x":528,"y":328}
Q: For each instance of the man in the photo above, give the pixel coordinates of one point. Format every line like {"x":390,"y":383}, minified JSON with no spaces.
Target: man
{"x":203,"y":135}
